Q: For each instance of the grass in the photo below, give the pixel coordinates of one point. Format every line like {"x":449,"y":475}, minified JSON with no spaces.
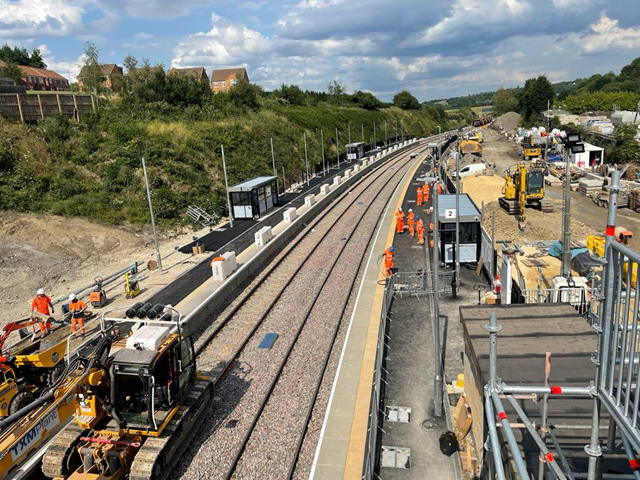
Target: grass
{"x":93,"y":168}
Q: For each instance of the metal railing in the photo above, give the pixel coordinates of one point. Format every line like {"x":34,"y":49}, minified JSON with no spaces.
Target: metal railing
{"x":417,"y":284}
{"x":579,"y":297}
{"x":371,"y":453}
{"x":619,"y":387}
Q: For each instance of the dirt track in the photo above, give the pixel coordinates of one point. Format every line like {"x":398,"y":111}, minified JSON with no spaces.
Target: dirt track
{"x":585,"y":213}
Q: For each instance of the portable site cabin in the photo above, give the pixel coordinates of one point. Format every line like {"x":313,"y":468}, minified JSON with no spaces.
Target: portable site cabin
{"x":592,"y":156}
{"x":355,"y":151}
{"x":254,"y":197}
{"x":470,"y":218}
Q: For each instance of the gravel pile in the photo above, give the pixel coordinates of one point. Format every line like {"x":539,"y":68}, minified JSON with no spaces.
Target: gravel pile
{"x":507,"y":122}
{"x":240,"y":391}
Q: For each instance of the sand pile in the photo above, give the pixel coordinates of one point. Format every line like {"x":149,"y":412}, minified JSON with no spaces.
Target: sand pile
{"x":540,"y":226}
{"x":483,"y":188}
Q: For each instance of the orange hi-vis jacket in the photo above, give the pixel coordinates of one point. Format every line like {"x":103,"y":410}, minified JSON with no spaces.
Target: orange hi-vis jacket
{"x":41,"y":305}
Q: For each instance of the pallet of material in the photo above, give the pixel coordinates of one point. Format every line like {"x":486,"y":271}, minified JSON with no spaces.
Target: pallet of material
{"x":589,"y":185}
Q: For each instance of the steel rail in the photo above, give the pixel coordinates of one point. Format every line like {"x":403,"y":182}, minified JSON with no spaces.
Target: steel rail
{"x":294,"y":342}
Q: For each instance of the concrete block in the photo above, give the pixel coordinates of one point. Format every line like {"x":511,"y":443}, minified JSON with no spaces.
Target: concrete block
{"x":325,"y":189}
{"x":224,"y":266}
{"x":310,"y":200}
{"x":290,"y":214}
{"x":263,"y":236}
{"x":347,"y":173}
{"x":356,"y":168}
{"x":336,"y":180}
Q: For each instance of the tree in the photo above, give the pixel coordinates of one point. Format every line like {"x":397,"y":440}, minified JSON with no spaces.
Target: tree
{"x":366,"y":100}
{"x":245,"y":94}
{"x":91,"y":72}
{"x":36,"y":60}
{"x":534,"y":97}
{"x":336,"y":89}
{"x":130,"y":62}
{"x":13,"y":72}
{"x":406,"y":101}
{"x":626,"y":149}
{"x":292,"y":94}
{"x":16,"y":55}
{"x":504,"y":101}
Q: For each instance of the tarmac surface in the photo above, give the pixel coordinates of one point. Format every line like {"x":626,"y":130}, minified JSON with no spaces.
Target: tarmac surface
{"x":411,"y":359}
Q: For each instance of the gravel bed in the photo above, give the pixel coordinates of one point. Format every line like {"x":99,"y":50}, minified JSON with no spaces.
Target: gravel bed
{"x":310,"y":443}
{"x":285,"y":414}
{"x":237,"y":395}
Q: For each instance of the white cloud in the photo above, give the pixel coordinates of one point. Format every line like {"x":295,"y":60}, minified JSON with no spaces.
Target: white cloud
{"x":67,"y":68}
{"x":607,"y":35}
{"x":31,"y":18}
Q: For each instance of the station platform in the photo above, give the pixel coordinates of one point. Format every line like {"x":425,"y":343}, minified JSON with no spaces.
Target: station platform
{"x":409,"y":364}
{"x":240,"y":236}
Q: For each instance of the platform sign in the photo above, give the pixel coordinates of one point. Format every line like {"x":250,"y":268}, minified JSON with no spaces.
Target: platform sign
{"x":450,"y":213}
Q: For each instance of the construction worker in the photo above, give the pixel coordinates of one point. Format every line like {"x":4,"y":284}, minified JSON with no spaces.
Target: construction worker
{"x":411,"y":222}
{"x":400,"y":221}
{"x":420,"y":230}
{"x":426,"y":190}
{"x":40,"y":311}
{"x":419,"y":196}
{"x":388,"y":261}
{"x":439,"y":188}
{"x":76,"y":309}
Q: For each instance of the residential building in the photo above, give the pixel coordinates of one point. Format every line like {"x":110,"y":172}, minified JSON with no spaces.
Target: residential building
{"x":199,"y":73}
{"x":109,"y":72}
{"x":223,"y":80}
{"x":41,"y":78}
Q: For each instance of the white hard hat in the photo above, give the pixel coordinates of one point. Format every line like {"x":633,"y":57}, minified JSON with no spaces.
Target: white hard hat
{"x":72,"y":297}
{"x":41,"y":291}
{"x":411,"y":210}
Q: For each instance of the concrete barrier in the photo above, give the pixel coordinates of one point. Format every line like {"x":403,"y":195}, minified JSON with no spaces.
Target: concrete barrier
{"x":223,"y":266}
{"x":336,"y":180}
{"x":290,"y":214}
{"x":310,"y":200}
{"x":263,"y":236}
{"x":325,"y":189}
{"x":356,"y":168}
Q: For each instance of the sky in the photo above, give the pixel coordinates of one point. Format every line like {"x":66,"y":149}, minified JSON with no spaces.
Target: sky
{"x":434,"y":48}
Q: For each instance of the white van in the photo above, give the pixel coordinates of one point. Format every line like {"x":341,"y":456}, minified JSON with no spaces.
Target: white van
{"x":472,"y":169}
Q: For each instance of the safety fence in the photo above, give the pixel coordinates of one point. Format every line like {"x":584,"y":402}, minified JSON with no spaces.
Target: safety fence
{"x":420,"y":283}
{"x":619,"y":388}
{"x":372,"y":445}
{"x":580,"y":298}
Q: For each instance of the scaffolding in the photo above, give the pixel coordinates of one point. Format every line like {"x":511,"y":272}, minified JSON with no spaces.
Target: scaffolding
{"x":613,"y":314}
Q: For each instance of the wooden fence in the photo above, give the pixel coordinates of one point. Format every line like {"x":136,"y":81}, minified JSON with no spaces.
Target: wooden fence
{"x":33,"y":108}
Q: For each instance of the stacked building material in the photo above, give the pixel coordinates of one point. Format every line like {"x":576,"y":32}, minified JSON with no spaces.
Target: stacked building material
{"x":589,"y":185}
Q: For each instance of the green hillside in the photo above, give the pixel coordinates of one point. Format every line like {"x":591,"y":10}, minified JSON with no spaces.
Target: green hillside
{"x":93,"y":168}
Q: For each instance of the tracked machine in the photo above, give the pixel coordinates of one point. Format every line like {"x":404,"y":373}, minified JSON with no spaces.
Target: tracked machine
{"x":130,"y":402}
{"x":27,"y":368}
{"x":523,"y":188}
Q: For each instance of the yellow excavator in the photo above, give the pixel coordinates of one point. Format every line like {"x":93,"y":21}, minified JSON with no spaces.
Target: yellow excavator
{"x":524,"y":187}
{"x":134,"y":401}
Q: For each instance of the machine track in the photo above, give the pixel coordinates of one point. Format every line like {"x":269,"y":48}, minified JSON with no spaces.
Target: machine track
{"x":154,"y":459}
{"x":56,"y":462}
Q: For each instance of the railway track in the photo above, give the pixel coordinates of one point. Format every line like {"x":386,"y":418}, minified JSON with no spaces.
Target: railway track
{"x":320,"y":296}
